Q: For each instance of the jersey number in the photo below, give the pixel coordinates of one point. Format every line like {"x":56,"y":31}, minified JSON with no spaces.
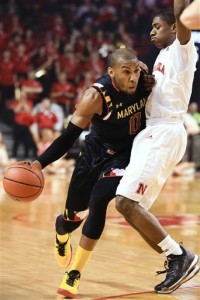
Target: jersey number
{"x":135,"y":123}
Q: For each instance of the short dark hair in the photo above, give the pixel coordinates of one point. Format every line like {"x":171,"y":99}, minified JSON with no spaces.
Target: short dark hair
{"x":166,"y":15}
{"x":121,"y":53}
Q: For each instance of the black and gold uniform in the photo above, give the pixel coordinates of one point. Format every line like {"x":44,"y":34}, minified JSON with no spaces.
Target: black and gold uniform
{"x":104,"y":157}
{"x":105,"y":154}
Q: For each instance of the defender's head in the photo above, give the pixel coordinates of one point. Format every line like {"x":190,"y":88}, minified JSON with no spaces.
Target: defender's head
{"x":163,"y":31}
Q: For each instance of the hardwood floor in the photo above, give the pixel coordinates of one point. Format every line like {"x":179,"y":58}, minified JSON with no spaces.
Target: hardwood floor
{"x":122,"y":265}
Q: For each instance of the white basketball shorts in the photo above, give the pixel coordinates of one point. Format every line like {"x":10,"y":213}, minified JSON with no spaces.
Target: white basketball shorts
{"x":156,"y":151}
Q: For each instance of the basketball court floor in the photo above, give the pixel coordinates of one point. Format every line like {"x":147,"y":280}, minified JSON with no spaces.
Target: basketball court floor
{"x":122,"y":265}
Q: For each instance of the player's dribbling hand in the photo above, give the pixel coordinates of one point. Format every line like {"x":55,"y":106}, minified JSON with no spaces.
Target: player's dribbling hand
{"x":37,"y":164}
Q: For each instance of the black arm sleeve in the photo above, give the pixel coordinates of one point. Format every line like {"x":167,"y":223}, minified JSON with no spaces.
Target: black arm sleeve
{"x":61,"y":145}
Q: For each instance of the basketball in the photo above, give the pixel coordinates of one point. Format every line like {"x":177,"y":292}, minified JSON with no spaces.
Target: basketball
{"x":23,"y":181}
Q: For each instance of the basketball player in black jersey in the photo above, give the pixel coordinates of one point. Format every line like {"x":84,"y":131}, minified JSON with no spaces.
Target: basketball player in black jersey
{"x":115,"y":108}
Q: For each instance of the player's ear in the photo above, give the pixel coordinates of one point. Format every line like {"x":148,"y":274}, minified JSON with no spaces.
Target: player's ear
{"x":174,"y":28}
{"x":111,"y":72}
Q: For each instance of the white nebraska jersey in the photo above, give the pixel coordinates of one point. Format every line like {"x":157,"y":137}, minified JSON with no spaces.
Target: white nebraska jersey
{"x":174,"y":73}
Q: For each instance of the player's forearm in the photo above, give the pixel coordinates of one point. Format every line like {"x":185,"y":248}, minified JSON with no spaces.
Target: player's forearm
{"x":183,"y":33}
{"x":179,"y":6}
{"x":60,"y":146}
{"x":191,"y":16}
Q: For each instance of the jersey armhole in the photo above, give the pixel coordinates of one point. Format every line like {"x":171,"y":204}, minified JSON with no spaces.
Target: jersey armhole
{"x":105,"y":106}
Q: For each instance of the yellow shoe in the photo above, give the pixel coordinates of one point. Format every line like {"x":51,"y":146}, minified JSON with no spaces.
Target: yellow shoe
{"x":63,"y":252}
{"x":70,"y":284}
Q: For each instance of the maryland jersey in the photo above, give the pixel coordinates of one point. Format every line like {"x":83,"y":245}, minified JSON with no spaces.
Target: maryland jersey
{"x":122,"y":118}
{"x":107,"y":148}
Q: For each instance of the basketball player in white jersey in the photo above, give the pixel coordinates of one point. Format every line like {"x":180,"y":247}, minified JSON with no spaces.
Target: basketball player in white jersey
{"x":161,"y":145}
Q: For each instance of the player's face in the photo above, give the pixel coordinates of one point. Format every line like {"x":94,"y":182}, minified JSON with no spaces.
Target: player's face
{"x":125,"y":75}
{"x":162,"y":34}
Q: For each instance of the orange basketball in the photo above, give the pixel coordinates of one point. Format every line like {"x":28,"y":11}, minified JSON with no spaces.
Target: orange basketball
{"x":23,"y":181}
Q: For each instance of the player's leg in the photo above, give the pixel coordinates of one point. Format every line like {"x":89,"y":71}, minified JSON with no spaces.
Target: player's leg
{"x":65,"y":225}
{"x":178,"y":258}
{"x":84,"y":177}
{"x":103,"y":192}
{"x":150,"y":173}
{"x":76,"y":210}
{"x":151,"y":243}
{"x":139,"y":180}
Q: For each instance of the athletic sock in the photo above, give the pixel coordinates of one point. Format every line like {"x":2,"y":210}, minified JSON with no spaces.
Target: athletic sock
{"x":169,"y":246}
{"x":62,"y":238}
{"x":81,"y":258}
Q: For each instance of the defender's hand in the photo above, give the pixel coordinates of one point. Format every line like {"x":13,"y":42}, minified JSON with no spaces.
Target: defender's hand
{"x":149,"y":82}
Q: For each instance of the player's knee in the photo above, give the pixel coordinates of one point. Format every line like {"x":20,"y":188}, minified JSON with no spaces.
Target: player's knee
{"x":127,"y":207}
{"x":93,"y":230}
{"x":122,"y":204}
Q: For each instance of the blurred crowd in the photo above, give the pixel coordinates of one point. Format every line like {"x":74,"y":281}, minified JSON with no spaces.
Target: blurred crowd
{"x":190,"y":164}
{"x":52,"y":50}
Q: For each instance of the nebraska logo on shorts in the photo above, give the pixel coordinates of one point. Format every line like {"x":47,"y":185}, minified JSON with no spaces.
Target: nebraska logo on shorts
{"x":141,"y":188}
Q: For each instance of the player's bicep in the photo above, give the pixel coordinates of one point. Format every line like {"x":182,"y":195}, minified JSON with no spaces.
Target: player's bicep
{"x":183,"y":33}
{"x":90,"y":104}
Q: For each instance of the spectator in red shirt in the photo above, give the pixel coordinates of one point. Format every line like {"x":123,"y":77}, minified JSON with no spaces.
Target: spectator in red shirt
{"x":85,"y":82}
{"x":30,"y":40}
{"x":41,"y":59}
{"x":22,"y":62}
{"x":51,"y":48}
{"x":95,"y":64}
{"x":32,"y":87}
{"x":7,"y":80}
{"x":69,"y":63}
{"x":63,"y":93}
{"x":45,"y":117}
{"x":13,"y":43}
{"x":4,"y":37}
{"x":58,"y":27}
{"x":22,"y":133}
{"x":55,"y":108}
{"x":14,"y":24}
